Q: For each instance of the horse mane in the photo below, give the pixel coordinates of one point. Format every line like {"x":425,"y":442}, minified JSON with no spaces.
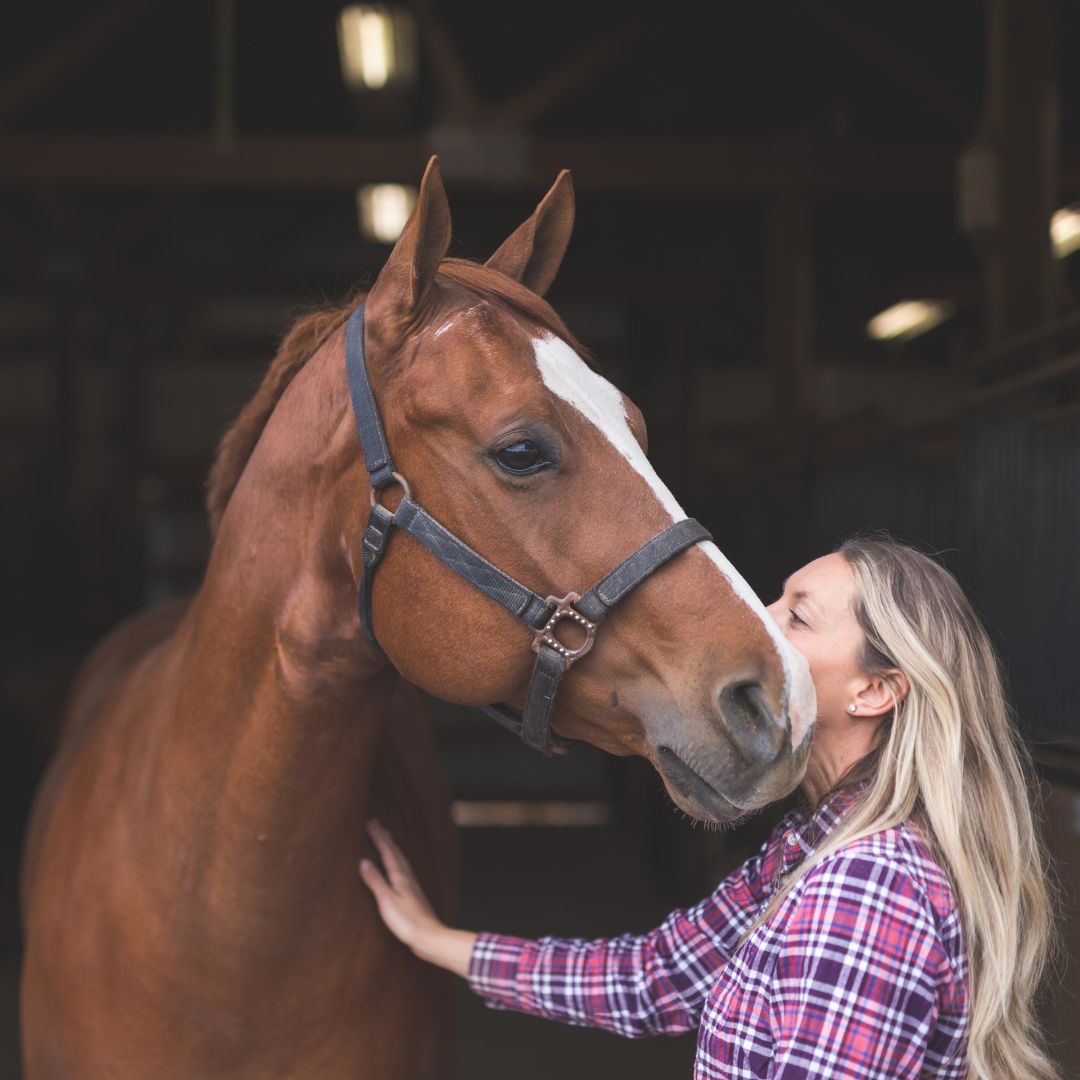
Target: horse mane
{"x":309,"y":332}
{"x":300,"y":343}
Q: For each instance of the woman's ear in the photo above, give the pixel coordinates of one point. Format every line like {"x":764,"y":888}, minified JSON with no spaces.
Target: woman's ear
{"x":881,"y":693}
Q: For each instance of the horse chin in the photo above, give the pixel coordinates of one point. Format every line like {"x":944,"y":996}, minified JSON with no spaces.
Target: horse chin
{"x":692,"y":793}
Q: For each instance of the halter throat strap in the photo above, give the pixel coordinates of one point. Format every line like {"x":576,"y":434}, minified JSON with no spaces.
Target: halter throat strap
{"x":553,"y":657}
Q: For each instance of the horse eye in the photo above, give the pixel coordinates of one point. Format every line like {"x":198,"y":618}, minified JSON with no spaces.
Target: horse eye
{"x":521,"y":457}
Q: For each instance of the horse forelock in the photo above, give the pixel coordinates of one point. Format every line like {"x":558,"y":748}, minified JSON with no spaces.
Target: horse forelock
{"x":490,"y":285}
{"x":310,"y":332}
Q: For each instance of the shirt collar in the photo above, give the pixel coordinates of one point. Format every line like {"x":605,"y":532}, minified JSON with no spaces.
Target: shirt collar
{"x":811,"y":827}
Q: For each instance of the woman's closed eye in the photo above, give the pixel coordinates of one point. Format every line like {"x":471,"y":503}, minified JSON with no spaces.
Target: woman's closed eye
{"x":796,"y":619}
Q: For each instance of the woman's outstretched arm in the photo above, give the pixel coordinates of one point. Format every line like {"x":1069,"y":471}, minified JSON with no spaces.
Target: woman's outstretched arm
{"x":633,"y":985}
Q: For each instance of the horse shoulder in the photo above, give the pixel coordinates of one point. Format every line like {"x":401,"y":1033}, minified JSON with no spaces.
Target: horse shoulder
{"x":99,"y":679}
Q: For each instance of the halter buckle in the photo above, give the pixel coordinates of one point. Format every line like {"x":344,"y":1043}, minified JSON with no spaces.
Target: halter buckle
{"x":564,"y":609}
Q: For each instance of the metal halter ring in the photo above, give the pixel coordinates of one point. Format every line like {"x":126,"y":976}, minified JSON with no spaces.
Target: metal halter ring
{"x":398,"y":479}
{"x":564,"y":609}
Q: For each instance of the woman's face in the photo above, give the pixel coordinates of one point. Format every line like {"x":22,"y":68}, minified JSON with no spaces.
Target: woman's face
{"x":817,"y":615}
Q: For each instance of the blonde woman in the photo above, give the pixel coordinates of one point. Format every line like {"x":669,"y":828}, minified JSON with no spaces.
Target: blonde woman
{"x":897,"y":921}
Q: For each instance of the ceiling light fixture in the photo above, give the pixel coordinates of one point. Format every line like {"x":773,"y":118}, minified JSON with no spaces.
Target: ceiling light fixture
{"x":377,"y":45}
{"x":383,"y":210}
{"x":908,"y":319}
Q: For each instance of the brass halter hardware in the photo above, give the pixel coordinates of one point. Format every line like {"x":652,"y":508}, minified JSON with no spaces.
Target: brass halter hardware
{"x":564,"y":609}
{"x":398,"y":479}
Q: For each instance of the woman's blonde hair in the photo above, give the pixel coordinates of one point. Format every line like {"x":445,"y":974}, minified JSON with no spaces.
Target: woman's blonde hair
{"x":951,"y":755}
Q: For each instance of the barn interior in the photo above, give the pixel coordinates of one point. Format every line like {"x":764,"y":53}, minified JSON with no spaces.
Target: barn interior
{"x":826,"y":247}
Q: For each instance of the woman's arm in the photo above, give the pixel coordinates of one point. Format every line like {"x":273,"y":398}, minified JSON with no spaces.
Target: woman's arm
{"x":633,"y":985}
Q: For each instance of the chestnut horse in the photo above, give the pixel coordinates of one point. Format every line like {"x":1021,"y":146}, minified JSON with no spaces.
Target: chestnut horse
{"x":191,"y":901}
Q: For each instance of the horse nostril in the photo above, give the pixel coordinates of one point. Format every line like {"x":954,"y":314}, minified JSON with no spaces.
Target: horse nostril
{"x":758,"y":734}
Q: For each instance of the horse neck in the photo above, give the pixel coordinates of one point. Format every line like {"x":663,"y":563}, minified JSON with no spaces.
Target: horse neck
{"x":279,"y":700}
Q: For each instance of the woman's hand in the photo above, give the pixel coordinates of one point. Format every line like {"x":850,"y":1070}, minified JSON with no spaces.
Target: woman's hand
{"x":406,"y":910}
{"x":402,"y":904}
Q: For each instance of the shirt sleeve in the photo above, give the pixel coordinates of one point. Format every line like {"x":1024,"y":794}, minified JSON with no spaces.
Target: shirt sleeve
{"x":655,"y":983}
{"x":856,"y":987}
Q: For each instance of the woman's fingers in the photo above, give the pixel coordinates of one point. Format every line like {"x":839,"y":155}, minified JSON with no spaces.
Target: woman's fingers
{"x":373,"y":878}
{"x":387,"y":898}
{"x":398,"y":919}
{"x":399,"y":874}
{"x":400,"y":900}
{"x":397,"y":866}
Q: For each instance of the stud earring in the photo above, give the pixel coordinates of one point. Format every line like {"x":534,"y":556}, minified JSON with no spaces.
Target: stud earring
{"x":851,"y":708}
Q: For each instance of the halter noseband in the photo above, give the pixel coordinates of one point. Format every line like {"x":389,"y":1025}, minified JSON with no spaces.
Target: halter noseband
{"x":553,"y":657}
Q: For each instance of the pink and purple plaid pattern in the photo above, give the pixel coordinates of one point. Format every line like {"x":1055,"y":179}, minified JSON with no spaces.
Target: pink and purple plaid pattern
{"x":860,"y":973}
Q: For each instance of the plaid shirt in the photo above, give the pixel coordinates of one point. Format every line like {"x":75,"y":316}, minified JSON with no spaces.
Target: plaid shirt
{"x":861,"y":972}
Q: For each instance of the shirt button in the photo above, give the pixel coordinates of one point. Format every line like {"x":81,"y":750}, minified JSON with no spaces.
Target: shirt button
{"x":792,"y":839}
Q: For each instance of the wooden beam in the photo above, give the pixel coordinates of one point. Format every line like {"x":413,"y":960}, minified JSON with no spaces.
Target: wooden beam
{"x":1022,"y":129}
{"x":338,"y":164}
{"x":458,"y":96}
{"x":302,"y":286}
{"x":850,"y":25}
{"x":64,"y":57}
{"x":564,"y":81}
{"x":1064,"y":368}
{"x":225,"y":72}
{"x":112,"y":271}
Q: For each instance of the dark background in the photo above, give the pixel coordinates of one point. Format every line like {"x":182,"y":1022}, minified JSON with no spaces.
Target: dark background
{"x":754,"y":181}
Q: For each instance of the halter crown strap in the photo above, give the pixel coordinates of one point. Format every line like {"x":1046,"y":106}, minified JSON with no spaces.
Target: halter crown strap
{"x":553,"y":657}
{"x":372,"y":437}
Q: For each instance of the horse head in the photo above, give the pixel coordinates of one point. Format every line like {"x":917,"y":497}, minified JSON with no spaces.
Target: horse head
{"x":522,"y":450}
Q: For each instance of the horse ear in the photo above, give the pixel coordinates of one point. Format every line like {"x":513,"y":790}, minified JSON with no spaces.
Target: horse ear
{"x":533,"y":252}
{"x":409,"y":272}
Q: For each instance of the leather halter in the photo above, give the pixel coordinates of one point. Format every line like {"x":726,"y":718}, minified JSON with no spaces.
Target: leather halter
{"x":553,"y":657}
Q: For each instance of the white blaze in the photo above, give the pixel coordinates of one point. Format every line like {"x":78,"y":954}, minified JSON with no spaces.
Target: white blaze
{"x":567,"y":376}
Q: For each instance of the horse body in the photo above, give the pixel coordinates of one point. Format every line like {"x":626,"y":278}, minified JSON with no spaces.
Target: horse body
{"x":207,"y":970}
{"x":191,"y":902}
{"x":194,"y":845}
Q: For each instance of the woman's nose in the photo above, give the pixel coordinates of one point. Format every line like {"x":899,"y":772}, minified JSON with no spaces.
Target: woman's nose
{"x":775,"y":610}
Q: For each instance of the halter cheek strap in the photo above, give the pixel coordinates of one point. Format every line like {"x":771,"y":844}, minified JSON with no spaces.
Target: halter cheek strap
{"x":553,"y":657}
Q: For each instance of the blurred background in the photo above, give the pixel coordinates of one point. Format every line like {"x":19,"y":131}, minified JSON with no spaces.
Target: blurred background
{"x":826,"y":246}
